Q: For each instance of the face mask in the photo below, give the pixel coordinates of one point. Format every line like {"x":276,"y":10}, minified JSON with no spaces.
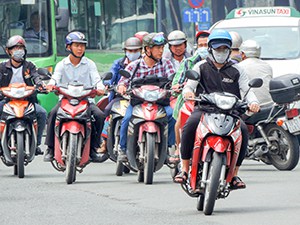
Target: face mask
{"x":202,"y":51}
{"x":18,"y":55}
{"x":133,"y":55}
{"x":220,"y":56}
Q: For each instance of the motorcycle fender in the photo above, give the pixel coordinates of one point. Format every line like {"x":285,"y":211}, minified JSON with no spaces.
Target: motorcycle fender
{"x":217,"y":143}
{"x":18,"y":125}
{"x":149,"y":127}
{"x":73,"y":127}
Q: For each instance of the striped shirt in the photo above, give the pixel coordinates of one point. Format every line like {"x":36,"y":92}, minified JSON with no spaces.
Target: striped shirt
{"x":163,"y":68}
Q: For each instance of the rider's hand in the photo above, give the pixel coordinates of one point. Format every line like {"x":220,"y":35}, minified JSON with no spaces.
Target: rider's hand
{"x":100,"y":92}
{"x":189,"y":95}
{"x":49,"y":87}
{"x":176,"y":88}
{"x":254,"y":107}
{"x":121,"y":89}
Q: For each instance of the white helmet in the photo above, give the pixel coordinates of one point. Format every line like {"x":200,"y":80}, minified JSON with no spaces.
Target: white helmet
{"x":251,"y":49}
{"x":236,"y":40}
{"x":176,"y":37}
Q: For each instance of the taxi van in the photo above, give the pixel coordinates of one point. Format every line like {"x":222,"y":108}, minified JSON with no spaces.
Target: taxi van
{"x":276,"y":29}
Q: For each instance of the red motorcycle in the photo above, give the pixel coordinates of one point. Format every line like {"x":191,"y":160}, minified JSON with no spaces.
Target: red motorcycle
{"x":217,"y":145}
{"x":73,"y":128}
{"x":18,"y":127}
{"x":147,"y":142}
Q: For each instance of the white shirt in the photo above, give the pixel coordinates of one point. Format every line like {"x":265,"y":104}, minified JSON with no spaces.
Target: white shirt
{"x":85,"y":72}
{"x":257,"y":68}
{"x":17,"y":76}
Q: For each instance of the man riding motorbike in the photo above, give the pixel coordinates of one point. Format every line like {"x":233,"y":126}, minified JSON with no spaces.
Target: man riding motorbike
{"x":177,"y":41}
{"x":77,"y":67}
{"x":151,"y":64}
{"x":18,"y":70}
{"x":218,"y":74}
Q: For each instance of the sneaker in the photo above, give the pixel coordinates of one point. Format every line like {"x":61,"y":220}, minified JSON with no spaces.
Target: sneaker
{"x":48,"y":155}
{"x":122,"y":157}
{"x":38,"y":151}
{"x":95,"y":157}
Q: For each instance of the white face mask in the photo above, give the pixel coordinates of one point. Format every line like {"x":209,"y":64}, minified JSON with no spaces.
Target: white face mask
{"x":133,"y":55}
{"x":220,"y":56}
{"x":203,"y":52}
{"x":18,"y":55}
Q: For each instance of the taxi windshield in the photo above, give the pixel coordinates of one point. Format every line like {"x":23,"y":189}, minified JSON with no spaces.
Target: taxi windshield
{"x":276,"y":42}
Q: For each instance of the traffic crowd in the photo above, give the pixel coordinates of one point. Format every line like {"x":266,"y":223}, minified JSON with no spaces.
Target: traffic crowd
{"x":224,"y":61}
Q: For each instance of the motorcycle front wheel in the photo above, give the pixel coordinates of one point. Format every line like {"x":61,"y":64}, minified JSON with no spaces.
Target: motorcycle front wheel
{"x":71,"y":158}
{"x":284,"y":153}
{"x":212,"y":185}
{"x":20,"y":155}
{"x":149,"y":158}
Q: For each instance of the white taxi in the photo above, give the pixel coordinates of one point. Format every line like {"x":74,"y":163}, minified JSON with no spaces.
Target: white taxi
{"x":276,"y":29}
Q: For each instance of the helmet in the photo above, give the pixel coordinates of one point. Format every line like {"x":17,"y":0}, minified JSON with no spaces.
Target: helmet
{"x":154,"y":39}
{"x":219,"y":38}
{"x":236,"y":40}
{"x":75,"y":37}
{"x":14,"y":41}
{"x":251,"y":49}
{"x":202,"y":33}
{"x":140,"y":35}
{"x":176,"y":37}
{"x":132,"y":43}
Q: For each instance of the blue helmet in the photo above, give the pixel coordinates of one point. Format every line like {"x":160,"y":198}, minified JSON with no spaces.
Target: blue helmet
{"x":219,"y":38}
{"x":75,"y":37}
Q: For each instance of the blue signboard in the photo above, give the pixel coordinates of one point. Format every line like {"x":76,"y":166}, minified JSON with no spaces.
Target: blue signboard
{"x":201,"y":15}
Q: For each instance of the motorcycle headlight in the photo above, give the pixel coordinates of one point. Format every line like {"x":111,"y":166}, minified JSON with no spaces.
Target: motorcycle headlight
{"x":75,"y":91}
{"x":225,"y":102}
{"x":17,"y":92}
{"x":151,"y":94}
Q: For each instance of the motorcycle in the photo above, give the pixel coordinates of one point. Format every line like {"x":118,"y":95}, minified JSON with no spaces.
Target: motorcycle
{"x":273,"y":131}
{"x":217,"y":145}
{"x":147,"y":145}
{"x":18,"y":127}
{"x":73,"y":128}
{"x":117,"y":113}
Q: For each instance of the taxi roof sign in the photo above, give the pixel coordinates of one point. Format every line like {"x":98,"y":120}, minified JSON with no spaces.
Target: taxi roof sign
{"x":263,"y":12}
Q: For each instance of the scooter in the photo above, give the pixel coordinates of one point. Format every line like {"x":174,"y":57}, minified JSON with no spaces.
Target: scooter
{"x":273,"y":131}
{"x":73,"y":128}
{"x":18,"y":127}
{"x":217,"y":145}
{"x":147,"y":145}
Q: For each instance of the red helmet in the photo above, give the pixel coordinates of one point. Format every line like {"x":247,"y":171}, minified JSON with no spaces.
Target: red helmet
{"x":140,"y":35}
{"x":202,"y":33}
{"x":14,"y":41}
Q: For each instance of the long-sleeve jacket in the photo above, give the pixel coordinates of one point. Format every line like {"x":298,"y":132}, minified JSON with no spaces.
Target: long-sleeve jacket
{"x":29,"y":72}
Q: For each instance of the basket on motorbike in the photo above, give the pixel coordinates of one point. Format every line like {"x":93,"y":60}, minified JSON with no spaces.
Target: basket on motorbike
{"x":285,"y":88}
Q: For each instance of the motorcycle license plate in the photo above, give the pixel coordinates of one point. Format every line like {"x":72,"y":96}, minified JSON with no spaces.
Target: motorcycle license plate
{"x":293,"y":124}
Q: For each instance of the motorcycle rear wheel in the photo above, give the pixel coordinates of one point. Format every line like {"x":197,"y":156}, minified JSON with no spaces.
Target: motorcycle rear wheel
{"x":71,"y":158}
{"x":20,"y":155}
{"x":149,"y":158}
{"x":285,"y":154}
{"x":213,"y":181}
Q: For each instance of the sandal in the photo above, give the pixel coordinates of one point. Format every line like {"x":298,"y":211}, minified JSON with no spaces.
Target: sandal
{"x":181,"y":177}
{"x":237,"y":183}
{"x":174,"y":159}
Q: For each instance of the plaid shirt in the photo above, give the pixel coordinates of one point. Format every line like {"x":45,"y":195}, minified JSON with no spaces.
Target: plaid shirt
{"x":163,"y":68}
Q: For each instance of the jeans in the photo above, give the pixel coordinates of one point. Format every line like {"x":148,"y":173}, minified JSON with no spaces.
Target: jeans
{"x":41,"y":116}
{"x":125,"y":123}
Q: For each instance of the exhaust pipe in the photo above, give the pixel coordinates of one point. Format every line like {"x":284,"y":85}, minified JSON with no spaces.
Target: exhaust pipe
{"x":263,"y":149}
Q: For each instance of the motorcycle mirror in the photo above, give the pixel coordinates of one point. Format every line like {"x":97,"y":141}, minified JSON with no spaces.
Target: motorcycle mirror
{"x":124,"y":73}
{"x":192,"y":74}
{"x":255,"y":83}
{"x":107,"y":76}
{"x":44,"y":74}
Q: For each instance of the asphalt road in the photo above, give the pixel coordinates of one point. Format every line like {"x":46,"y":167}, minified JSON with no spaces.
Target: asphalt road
{"x":100,"y":197}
